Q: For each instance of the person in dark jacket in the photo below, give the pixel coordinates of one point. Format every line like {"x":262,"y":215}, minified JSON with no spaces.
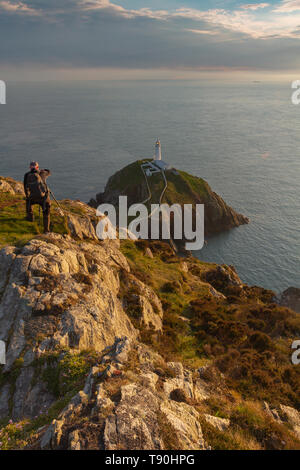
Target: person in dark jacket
{"x":37,"y":192}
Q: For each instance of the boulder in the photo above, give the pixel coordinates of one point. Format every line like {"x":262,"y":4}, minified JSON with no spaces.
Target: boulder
{"x":184,"y":419}
{"x":134,"y":425}
{"x":292,"y":416}
{"x":144,"y":300}
{"x":183,"y":380}
{"x":9,"y":185}
{"x":221,"y":424}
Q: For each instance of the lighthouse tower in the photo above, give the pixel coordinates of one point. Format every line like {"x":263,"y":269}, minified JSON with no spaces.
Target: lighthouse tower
{"x":157,"y":150}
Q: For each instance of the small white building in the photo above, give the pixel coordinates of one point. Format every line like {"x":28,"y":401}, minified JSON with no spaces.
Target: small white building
{"x":162,"y":165}
{"x":157,"y":164}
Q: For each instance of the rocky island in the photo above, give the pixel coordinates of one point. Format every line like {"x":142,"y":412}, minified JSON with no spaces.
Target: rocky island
{"x":182,"y":188}
{"x":125,"y":345}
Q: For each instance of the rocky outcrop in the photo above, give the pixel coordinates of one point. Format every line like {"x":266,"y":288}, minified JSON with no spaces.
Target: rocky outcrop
{"x":271,"y":412}
{"x":76,"y":315}
{"x":9,"y":185}
{"x":182,"y":381}
{"x":221,"y":280}
{"x":285,"y":414}
{"x":29,"y":399}
{"x":290,"y":298}
{"x":81,"y":227}
{"x":221,"y":424}
{"x":56,"y":280}
{"x":141,"y":302}
{"x":57,"y":293}
{"x":292,"y":416}
{"x":130,"y":182}
{"x":4,"y":401}
{"x":139,"y":417}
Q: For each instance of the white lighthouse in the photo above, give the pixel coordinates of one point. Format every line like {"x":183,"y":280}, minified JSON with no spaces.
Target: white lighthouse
{"x":157,"y":150}
{"x":156,"y":165}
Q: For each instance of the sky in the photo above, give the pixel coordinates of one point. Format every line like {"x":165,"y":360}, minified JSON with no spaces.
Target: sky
{"x":94,"y":39}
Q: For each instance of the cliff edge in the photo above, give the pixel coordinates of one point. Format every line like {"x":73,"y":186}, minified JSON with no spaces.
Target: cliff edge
{"x":125,"y":345}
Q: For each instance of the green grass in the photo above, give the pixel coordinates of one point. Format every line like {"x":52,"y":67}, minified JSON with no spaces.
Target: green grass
{"x":198,"y":185}
{"x":185,"y":189}
{"x":16,"y":230}
{"x":182,"y":187}
{"x":65,"y":373}
{"x":178,"y":340}
{"x":132,"y":174}
{"x":159,"y":271}
{"x":230,"y":440}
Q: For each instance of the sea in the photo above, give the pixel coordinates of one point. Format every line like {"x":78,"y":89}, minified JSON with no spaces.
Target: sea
{"x":243,"y":138}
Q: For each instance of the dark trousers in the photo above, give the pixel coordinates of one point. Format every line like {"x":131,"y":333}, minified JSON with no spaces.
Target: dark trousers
{"x":45,"y":204}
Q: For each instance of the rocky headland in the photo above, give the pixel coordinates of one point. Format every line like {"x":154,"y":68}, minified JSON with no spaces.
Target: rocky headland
{"x":182,"y":188}
{"x":125,"y":345}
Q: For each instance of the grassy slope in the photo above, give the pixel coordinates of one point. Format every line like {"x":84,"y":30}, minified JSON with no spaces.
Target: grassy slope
{"x":16,"y":230}
{"x":247,"y":337}
{"x":181,"y":187}
{"x":131,"y":173}
{"x":176,"y":289}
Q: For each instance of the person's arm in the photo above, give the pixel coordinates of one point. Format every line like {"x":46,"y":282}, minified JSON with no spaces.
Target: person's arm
{"x":44,"y":174}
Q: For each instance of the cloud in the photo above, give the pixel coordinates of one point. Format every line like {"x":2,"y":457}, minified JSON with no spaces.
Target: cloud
{"x":288,"y":6}
{"x":245,"y":20}
{"x":85,"y":7}
{"x":203,"y":31}
{"x":96,"y":5}
{"x":255,"y":6}
{"x":17,"y":7}
{"x":102,"y":33}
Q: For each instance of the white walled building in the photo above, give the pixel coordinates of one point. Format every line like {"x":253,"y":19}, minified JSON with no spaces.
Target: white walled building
{"x":157,"y":164}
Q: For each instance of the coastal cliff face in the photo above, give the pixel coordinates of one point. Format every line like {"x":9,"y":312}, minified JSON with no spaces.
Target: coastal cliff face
{"x":125,"y":345}
{"x":182,"y":189}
